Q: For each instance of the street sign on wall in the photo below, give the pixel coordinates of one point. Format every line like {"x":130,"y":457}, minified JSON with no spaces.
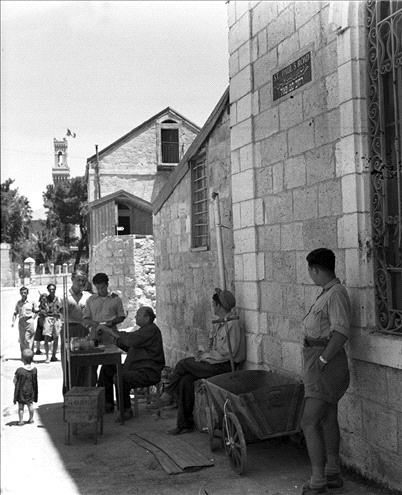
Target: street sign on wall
{"x":292,"y":76}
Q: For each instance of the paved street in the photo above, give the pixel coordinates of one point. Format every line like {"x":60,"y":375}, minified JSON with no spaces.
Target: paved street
{"x":35,"y":459}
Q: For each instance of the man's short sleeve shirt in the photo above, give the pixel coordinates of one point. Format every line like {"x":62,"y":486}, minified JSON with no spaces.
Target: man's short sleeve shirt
{"x":331,"y":311}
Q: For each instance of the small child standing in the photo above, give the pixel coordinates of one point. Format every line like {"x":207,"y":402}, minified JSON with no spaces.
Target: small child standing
{"x":26,"y":386}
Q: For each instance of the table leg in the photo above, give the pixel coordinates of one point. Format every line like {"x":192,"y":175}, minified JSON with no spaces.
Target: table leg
{"x":67,"y":437}
{"x":120,"y":391}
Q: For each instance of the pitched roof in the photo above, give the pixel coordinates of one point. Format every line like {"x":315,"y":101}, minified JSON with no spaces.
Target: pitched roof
{"x":183,"y":166}
{"x":127,"y":197}
{"x":127,"y":136}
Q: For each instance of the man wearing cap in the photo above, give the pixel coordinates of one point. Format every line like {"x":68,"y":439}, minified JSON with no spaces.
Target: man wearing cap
{"x":214,"y":361}
{"x":326,"y":328}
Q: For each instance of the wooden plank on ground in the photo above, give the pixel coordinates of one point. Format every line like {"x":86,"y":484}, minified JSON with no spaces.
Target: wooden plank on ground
{"x":165,"y":461}
{"x":183,"y":454}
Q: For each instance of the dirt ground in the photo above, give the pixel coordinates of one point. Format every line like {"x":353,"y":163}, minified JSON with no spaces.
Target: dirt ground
{"x":35,"y":459}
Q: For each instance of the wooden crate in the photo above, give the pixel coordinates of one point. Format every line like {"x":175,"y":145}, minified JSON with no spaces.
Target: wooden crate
{"x":84,"y":405}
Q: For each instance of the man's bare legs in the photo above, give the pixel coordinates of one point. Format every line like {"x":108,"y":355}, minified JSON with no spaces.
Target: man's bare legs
{"x":321,"y":430}
{"x":46,"y":345}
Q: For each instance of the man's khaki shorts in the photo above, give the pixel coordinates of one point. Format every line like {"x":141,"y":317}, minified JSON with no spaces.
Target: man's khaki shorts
{"x":51,"y":327}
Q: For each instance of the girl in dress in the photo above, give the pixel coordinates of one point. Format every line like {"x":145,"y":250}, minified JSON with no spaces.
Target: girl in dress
{"x":26,"y":386}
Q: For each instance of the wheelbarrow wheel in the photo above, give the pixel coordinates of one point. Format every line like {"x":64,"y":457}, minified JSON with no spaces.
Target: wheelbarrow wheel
{"x":234,"y":442}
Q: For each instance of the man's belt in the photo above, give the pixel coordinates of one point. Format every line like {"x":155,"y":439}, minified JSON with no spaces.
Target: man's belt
{"x":309,"y":342}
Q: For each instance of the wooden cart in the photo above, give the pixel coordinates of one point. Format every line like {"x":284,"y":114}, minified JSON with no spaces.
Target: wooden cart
{"x":250,"y":406}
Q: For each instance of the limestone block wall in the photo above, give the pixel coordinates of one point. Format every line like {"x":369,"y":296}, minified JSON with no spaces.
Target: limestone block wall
{"x":7,"y":268}
{"x":186,"y":279}
{"x":129,"y":263}
{"x":299,"y":181}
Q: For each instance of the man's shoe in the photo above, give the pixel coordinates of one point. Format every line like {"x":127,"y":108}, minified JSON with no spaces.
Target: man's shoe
{"x":158,"y":404}
{"x":335,"y":483}
{"x":53,"y":359}
{"x":309,"y":490}
{"x":180,"y":431}
{"x":38,"y":352}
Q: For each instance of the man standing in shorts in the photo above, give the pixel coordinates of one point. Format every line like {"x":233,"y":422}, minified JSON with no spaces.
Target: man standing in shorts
{"x":326,"y":328}
{"x":52,"y":323}
{"x":26,"y":310}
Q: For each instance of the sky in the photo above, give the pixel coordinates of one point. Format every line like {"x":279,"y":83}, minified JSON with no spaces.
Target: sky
{"x":100,"y":69}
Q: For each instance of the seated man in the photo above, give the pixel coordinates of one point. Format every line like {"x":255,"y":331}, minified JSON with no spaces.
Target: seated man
{"x":215,"y":361}
{"x":144,"y":362}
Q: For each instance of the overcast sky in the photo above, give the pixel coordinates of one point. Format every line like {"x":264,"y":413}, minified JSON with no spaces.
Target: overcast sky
{"x":100,"y":68}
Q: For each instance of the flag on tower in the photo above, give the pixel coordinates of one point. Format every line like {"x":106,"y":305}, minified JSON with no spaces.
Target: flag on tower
{"x":72,"y":134}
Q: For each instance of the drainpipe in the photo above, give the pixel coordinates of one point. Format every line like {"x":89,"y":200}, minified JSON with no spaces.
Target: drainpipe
{"x":219,"y":242}
{"x":97,"y":178}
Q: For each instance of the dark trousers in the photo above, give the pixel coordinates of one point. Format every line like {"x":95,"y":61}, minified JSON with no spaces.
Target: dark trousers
{"x":181,"y":386}
{"x":144,"y":377}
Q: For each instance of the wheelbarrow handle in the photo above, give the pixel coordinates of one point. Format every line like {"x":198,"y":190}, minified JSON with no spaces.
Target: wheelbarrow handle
{"x":227,"y":318}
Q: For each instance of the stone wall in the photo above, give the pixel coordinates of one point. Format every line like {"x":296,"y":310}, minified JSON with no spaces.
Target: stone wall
{"x":129,"y":263}
{"x":299,"y":182}
{"x":8,"y":275}
{"x":186,"y":278}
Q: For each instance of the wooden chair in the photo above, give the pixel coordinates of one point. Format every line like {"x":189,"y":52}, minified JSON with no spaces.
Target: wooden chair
{"x":148,"y":395}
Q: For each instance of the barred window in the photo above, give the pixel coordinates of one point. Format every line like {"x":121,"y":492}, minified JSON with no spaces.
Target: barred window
{"x":199,"y":199}
{"x":384,"y":60}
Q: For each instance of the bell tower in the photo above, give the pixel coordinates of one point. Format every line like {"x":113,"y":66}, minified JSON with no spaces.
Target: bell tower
{"x":60,"y":170}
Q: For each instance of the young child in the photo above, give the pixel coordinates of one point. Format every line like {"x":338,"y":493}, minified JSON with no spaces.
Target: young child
{"x":26,"y":386}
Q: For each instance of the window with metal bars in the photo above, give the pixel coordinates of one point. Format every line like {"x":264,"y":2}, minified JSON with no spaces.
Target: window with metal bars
{"x":384,"y":61}
{"x":199,"y":204}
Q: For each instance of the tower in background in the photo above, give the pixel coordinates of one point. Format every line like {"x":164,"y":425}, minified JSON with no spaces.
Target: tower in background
{"x":60,"y":170}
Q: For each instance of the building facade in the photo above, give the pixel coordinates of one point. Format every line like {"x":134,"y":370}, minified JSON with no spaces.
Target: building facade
{"x":186,"y":259}
{"x":141,"y":161}
{"x":315,"y":133}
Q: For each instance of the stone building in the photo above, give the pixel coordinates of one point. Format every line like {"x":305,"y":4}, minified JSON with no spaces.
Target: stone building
{"x":315,"y":135}
{"x":141,"y":161}
{"x":186,"y":261}
{"x":122,"y":180}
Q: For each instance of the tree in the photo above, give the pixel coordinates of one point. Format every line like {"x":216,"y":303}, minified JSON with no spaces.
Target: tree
{"x":49,"y":247}
{"x":16,"y":215}
{"x":67,"y":204}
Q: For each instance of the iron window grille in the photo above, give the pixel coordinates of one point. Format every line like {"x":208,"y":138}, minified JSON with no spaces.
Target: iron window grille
{"x":384,"y":62}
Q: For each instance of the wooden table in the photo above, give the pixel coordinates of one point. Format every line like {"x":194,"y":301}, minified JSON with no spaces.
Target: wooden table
{"x":111,"y":355}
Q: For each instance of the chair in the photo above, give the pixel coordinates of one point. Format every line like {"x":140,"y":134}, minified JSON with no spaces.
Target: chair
{"x":146,"y":393}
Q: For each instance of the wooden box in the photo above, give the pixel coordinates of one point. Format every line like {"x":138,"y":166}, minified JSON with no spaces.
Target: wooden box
{"x":84,"y":405}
